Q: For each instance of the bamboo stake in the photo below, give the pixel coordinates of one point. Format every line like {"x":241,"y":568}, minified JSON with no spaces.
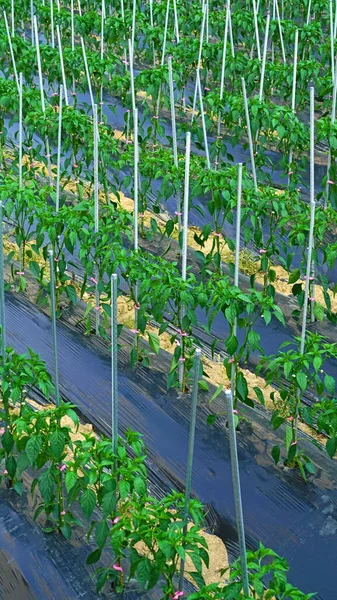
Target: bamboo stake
{"x":249,"y":132}
{"x":20,"y":131}
{"x":79,"y":8}
{"x":52,"y":23}
{"x":190,"y":454}
{"x":53,"y":320}
{"x":87,"y":74}
{"x":310,"y":246}
{"x":257,"y":37}
{"x":265,"y":47}
{"x":59,"y":146}
{"x":11,"y":50}
{"x":62,"y":66}
{"x":203,"y":122}
{"x":2,"y":291}
{"x":114,"y":364}
{"x":293,"y":97}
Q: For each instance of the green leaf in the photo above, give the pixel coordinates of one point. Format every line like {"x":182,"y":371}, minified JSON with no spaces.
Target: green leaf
{"x":294,"y":276}
{"x":259,"y":395}
{"x":166,"y":548}
{"x":231,"y":344}
{"x":11,"y":466}
{"x":57,"y":443}
{"x":33,"y":448}
{"x":203,"y":385}
{"x":94,"y":557}
{"x":73,"y":416}
{"x":319,"y":311}
{"x":154,"y":342}
{"x":216,"y":393}
{"x":46,"y":486}
{"x":241,"y":387}
{"x":143,"y":572}
{"x":302,"y":380}
{"x":140,"y":486}
{"x":66,"y":531}
{"x":71,"y":479}
{"x":317,"y":363}
{"x":7,"y":441}
{"x":101,"y":534}
{"x":310,"y":467}
{"x":275,"y":452}
{"x":124,"y":489}
{"x":34,"y":267}
{"x":88,"y":502}
{"x":330,"y":384}
{"x":108,"y":503}
{"x":211,"y":419}
{"x":18,"y":487}
{"x":289,"y":437}
{"x":331,"y":447}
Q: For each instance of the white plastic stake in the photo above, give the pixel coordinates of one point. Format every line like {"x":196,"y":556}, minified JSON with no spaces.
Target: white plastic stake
{"x":332,"y":43}
{"x":52,"y":23}
{"x":238,"y":227}
{"x":133,"y":30}
{"x":230,"y":29}
{"x":11,"y":51}
{"x":20,"y":130}
{"x":257,"y":37}
{"x":2,"y":292}
{"x":173,"y":113}
{"x":176,"y":22}
{"x":114,"y":364}
{"x":185,"y":205}
{"x":199,"y":58}
{"x":135,"y":177}
{"x":13,"y":19}
{"x":280,"y":32}
{"x":132,"y":81}
{"x":189,"y":469}
{"x":152,"y":25}
{"x":32,"y":21}
{"x":87,"y":74}
{"x":43,"y":106}
{"x":249,"y":132}
{"x":203,"y":121}
{"x":265,"y":47}
{"x":72,"y":25}
{"x":308,"y":13}
{"x":62,"y":66}
{"x":293,"y":96}
{"x":59,"y":147}
{"x":96,"y":205}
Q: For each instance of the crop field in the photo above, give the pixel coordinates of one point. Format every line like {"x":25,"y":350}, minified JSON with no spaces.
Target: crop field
{"x":168,"y":299}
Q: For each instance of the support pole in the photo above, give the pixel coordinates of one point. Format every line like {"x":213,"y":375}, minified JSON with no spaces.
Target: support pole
{"x":53,"y":319}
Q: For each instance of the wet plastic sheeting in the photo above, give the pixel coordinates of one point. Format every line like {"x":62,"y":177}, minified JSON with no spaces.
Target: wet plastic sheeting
{"x":298,"y":521}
